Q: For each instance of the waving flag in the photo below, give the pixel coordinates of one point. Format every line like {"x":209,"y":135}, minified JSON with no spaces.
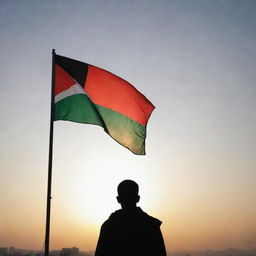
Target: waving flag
{"x":87,"y":94}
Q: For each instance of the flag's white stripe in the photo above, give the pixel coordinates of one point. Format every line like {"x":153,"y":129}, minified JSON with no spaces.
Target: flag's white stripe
{"x":74,"y":89}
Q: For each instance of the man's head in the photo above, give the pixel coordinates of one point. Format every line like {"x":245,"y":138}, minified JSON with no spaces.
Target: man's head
{"x":128,"y":194}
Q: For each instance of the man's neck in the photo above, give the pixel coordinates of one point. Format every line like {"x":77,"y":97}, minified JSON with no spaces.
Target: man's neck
{"x":129,"y":208}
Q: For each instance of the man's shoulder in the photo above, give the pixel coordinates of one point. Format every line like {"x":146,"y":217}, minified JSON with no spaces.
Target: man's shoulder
{"x":121,"y":216}
{"x":149,"y":219}
{"x":113,"y":216}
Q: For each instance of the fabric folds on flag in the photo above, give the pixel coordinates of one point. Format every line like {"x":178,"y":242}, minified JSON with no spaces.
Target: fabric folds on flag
{"x":87,"y":94}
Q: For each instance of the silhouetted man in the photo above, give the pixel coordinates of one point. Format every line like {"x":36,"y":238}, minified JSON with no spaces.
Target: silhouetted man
{"x":130,"y":231}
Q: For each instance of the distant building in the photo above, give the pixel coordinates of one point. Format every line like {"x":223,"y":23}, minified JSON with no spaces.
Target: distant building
{"x":52,"y":253}
{"x":15,"y":252}
{"x":74,"y":251}
{"x":11,"y":250}
{"x":3,"y":251}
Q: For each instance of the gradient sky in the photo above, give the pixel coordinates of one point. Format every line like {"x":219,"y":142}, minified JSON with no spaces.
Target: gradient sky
{"x":195,"y":60}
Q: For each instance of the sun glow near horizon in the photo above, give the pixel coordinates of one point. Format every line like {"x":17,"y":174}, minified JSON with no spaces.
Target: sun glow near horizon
{"x":84,"y":202}
{"x":92,"y":194}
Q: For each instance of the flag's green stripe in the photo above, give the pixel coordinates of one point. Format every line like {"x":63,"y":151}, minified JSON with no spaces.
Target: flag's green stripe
{"x":124,"y":130}
{"x":78,"y":108}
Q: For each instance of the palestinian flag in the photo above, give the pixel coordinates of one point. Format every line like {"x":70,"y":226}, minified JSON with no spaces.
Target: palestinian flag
{"x":87,"y":94}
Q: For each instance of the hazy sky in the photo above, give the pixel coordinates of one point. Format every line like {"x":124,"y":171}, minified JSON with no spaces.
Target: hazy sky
{"x":195,"y":60}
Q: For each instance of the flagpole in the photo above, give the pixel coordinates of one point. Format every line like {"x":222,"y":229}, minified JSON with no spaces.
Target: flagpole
{"x":49,"y":185}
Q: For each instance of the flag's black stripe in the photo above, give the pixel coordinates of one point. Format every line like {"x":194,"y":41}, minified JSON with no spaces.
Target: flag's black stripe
{"x":77,"y":69}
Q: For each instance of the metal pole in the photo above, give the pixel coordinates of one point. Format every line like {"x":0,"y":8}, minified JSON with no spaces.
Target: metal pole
{"x":49,"y":197}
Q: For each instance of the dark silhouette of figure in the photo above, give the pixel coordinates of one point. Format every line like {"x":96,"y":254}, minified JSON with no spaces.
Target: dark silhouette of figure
{"x":130,"y":231}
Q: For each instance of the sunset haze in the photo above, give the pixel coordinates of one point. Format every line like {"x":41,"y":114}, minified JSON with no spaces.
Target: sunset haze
{"x":194,"y":60}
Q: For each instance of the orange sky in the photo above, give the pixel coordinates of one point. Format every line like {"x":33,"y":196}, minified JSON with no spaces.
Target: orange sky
{"x":194,"y":60}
